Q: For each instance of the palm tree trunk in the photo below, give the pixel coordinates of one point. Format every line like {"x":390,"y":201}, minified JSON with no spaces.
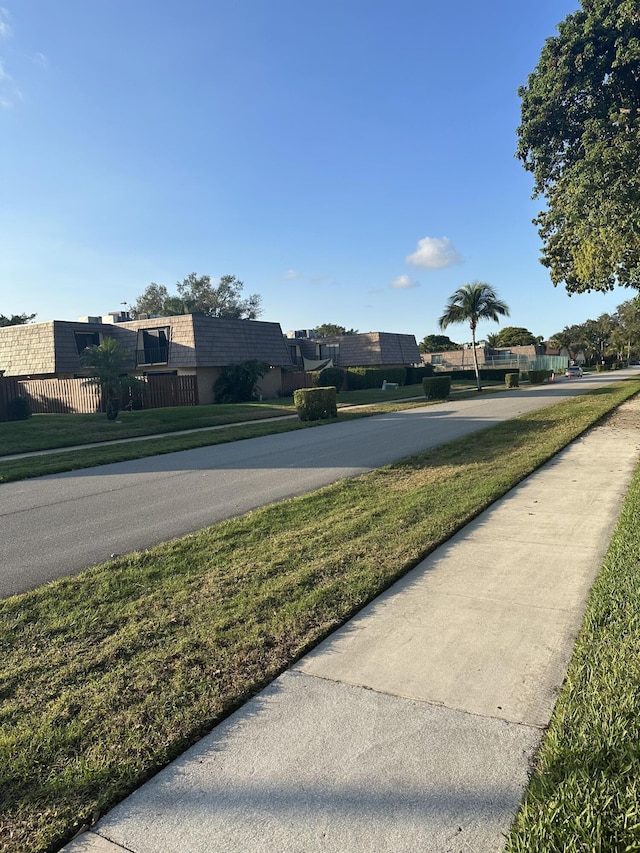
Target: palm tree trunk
{"x":475,"y":357}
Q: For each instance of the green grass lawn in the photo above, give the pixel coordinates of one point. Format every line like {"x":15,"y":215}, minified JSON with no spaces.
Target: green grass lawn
{"x":43,"y":432}
{"x":585,"y":792}
{"x":107,"y":676}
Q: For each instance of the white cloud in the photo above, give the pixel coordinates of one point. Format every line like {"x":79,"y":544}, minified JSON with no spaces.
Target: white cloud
{"x":9,"y":92}
{"x":5,"y":17}
{"x":293,"y":275}
{"x":403,"y":282}
{"x":40,"y":59}
{"x":434,"y":253}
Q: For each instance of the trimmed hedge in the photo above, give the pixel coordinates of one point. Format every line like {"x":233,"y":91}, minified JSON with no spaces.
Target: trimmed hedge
{"x":512,"y":380}
{"x":331,"y":376}
{"x":415,"y":375}
{"x":315,"y":404}
{"x":537,"y":377}
{"x":360,"y":378}
{"x":437,"y":387}
{"x":496,"y":373}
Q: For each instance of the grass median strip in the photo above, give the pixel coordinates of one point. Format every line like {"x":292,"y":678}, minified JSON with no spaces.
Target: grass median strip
{"x":109,"y":675}
{"x":585,"y":792}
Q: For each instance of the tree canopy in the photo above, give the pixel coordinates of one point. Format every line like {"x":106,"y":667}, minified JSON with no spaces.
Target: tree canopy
{"x":437,"y":343}
{"x":16,"y":319}
{"x":610,"y":336}
{"x":593,"y":338}
{"x":580,"y":138}
{"x":199,"y":295}
{"x":513,"y":336}
{"x":471,"y":304}
{"x":331,"y":330}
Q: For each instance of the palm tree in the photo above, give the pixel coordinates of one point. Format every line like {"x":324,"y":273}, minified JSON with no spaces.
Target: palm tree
{"x":472,"y":303}
{"x":105,"y":365}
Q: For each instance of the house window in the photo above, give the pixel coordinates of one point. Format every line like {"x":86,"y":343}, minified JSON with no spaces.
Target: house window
{"x":436,"y":359}
{"x":328,"y":351}
{"x":86,"y":339}
{"x":294,"y":354}
{"x":153,"y":346}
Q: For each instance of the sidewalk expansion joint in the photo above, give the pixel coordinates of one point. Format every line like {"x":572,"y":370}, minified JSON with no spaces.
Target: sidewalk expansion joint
{"x":433,"y":703}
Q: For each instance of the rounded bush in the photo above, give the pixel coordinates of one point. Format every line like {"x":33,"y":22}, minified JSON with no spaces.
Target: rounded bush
{"x":18,"y":409}
{"x":437,"y":387}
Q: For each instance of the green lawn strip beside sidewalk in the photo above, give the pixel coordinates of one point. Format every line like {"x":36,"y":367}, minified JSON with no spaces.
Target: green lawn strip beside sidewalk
{"x":108,"y":676}
{"x":584,"y":794}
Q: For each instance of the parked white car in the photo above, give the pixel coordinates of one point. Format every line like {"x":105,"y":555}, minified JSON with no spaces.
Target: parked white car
{"x":573,"y":372}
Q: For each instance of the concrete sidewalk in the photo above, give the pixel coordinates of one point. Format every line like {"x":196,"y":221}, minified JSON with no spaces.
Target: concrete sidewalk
{"x":412,"y":728}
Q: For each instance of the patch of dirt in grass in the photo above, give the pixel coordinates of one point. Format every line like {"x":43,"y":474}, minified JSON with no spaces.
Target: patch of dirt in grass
{"x":626,"y":416}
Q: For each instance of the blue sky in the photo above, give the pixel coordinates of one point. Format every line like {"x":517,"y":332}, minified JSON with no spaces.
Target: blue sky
{"x":352,"y":161}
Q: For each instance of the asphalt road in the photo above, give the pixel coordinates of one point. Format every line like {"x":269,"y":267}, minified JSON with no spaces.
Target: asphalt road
{"x":59,"y":525}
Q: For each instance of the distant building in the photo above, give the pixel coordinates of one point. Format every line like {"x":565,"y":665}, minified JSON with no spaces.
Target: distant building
{"x":369,"y":349}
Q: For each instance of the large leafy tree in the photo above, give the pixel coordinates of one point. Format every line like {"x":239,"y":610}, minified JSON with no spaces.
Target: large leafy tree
{"x":569,"y":338}
{"x":16,"y":319}
{"x":437,"y":343}
{"x":580,"y":138}
{"x":628,"y":333}
{"x":331,"y":330}
{"x":593,"y":338}
{"x":473,"y":303}
{"x":200,"y":295}
{"x":513,"y":336}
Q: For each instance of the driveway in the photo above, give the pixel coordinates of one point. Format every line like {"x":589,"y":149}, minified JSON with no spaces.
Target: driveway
{"x":59,"y":525}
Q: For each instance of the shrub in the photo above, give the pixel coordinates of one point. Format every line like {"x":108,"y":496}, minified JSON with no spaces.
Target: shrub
{"x":512,"y":380}
{"x":314,"y":404}
{"x":237,"y":382}
{"x":18,"y":409}
{"x":359,"y":378}
{"x":331,"y":376}
{"x":415,"y":375}
{"x":537,"y":377}
{"x":492,"y":373}
{"x":437,"y":387}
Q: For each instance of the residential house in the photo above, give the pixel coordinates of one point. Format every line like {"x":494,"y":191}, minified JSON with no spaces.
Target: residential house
{"x":370,"y":349}
{"x":188,"y":344}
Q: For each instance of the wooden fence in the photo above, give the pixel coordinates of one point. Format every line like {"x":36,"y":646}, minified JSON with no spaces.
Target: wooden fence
{"x":60,"y":396}
{"x":292,"y":381}
{"x":73,"y":396}
{"x":163,"y":391}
